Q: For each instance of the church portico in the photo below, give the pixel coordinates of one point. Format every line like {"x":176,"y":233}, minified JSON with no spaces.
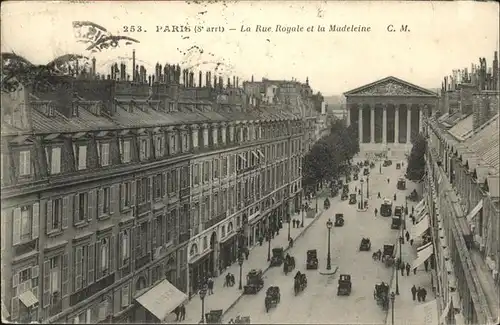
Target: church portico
{"x":388,"y":112}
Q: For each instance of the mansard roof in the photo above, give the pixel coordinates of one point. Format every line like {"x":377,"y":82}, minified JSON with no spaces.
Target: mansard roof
{"x":391,"y":86}
{"x":463,"y":128}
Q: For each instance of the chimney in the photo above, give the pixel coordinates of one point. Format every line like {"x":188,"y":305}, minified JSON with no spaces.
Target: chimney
{"x":445,"y":83}
{"x":133,"y":65}
{"x":93,"y":66}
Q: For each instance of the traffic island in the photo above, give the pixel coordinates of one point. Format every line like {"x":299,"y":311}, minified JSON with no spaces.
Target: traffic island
{"x":332,"y":271}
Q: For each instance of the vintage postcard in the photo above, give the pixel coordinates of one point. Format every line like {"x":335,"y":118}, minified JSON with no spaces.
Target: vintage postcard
{"x":237,"y":162}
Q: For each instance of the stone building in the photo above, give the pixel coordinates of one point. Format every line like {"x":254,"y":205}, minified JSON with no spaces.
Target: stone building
{"x":463,"y":199}
{"x":115,"y":186}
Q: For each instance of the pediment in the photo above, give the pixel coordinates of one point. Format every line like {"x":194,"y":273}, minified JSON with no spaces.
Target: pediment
{"x":390,"y":86}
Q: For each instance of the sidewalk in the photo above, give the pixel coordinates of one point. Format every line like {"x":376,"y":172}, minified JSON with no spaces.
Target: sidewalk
{"x":404,"y":306}
{"x":226,"y":297}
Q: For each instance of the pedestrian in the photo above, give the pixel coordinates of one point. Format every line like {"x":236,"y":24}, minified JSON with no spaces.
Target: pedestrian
{"x":414,"y":270}
{"x":232,"y":280}
{"x":413,"y":292}
{"x":376,"y":211}
{"x":177,"y":312}
{"x":210,"y":285}
{"x":247,"y":252}
{"x":293,"y":223}
{"x":183,"y":312}
{"x":419,"y":294}
{"x":426,"y":265}
{"x":227,"y":280}
{"x":412,"y":209}
{"x":412,"y":218}
{"x":261,"y":239}
{"x":379,"y":195}
{"x":394,"y":197}
{"x":411,"y":242}
{"x":387,"y":180}
{"x":424,"y":293}
{"x":402,"y":269}
{"x":407,"y":235}
{"x":408,"y":269}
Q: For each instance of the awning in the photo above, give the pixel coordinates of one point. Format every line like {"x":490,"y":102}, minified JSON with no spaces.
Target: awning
{"x":421,"y":216}
{"x":255,"y":154}
{"x":420,"y":204}
{"x":426,"y":313}
{"x":198,"y":257}
{"x":444,"y":314}
{"x":423,"y":255}
{"x":28,"y":298}
{"x":162,"y":299}
{"x":474,"y":211}
{"x":421,"y":248}
{"x":260,"y":153}
{"x":419,"y":228}
{"x":242,"y":157}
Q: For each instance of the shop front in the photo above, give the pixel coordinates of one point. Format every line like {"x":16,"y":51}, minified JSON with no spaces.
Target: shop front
{"x":257,"y":227}
{"x":199,"y":268}
{"x":229,"y":249}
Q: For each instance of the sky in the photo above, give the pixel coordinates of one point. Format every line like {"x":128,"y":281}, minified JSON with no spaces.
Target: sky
{"x":441,"y":37}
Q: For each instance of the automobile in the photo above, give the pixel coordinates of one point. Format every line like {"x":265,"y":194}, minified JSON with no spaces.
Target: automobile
{"x":386,"y":208}
{"x":396,"y":222}
{"x":352,"y":198}
{"x":345,"y":285}
{"x":398,"y":211}
{"x":401,"y":185}
{"x":339,"y":220}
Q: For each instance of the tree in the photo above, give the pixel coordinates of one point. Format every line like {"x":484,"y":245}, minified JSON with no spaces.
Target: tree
{"x":415,"y":169}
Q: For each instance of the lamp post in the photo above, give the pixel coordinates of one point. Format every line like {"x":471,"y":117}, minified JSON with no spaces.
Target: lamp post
{"x":269,"y":244}
{"x":393,"y":297}
{"x":367,"y":186}
{"x":329,"y":225}
{"x":240,"y":262}
{"x":361,"y":181}
{"x":203,"y":293}
{"x":302,"y":208}
{"x":289,"y":222}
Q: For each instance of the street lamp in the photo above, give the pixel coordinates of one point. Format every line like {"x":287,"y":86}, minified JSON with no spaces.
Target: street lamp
{"x":393,"y":297}
{"x":329,"y":225}
{"x":361,"y":181}
{"x":203,"y":293}
{"x":302,"y":215}
{"x":240,"y":262}
{"x":269,"y":244}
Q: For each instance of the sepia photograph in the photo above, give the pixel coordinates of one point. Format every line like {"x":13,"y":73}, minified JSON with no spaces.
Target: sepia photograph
{"x":250,"y":162}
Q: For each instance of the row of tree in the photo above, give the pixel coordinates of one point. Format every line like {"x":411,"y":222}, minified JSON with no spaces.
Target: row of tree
{"x":331,"y":155}
{"x":415,"y":169}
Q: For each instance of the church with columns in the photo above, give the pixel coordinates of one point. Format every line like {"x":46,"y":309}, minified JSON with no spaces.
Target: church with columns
{"x":388,"y":113}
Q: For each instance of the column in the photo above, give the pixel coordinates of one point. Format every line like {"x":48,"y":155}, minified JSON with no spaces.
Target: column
{"x":396,"y":123}
{"x":408,"y":123}
{"x":419,"y":118}
{"x":384,"y":125}
{"x":348,"y":122}
{"x":372,"y":124}
{"x":360,"y":124}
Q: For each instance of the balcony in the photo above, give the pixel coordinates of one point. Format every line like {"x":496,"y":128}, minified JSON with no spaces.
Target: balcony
{"x":141,"y":261}
{"x":215,"y":220}
{"x":91,"y":289}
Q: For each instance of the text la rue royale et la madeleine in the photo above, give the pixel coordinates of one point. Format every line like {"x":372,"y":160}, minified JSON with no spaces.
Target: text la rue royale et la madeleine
{"x":301,"y":28}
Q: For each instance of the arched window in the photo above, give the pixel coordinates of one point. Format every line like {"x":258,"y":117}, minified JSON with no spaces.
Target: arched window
{"x":230,"y":227}
{"x":223,"y":231}
{"x":205,"y":243}
{"x":194,"y":250}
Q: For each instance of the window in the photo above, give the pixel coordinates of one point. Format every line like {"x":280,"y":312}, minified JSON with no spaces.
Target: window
{"x":144,"y":148}
{"x":105,"y":199}
{"x":55,"y":161}
{"x":215,"y":168}
{"x":184,"y":177}
{"x":25,"y":275}
{"x":224,"y":166}
{"x":214,"y":204}
{"x":56,"y":214}
{"x":185,"y":144}
{"x":126,"y":194}
{"x":125,"y":151}
{"x":143,"y":190}
{"x":124,"y":247}
{"x":55,"y":274}
{"x":26,"y":222}
{"x":159,"y":230}
{"x":196,"y":174}
{"x":206,"y":171}
{"x":80,"y":156}
{"x":159,"y":146}
{"x":82,"y":206}
{"x":125,"y":296}
{"x":24,"y":163}
{"x":104,"y":260}
{"x":157,"y":186}
{"x":103,"y":154}
{"x":81,"y":266}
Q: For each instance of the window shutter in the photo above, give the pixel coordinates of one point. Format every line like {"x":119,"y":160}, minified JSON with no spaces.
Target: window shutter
{"x":122,"y":196}
{"x":100,"y":200}
{"x":125,"y":295}
{"x":154,"y":233}
{"x":66,"y":208}
{"x":165,"y":183}
{"x":15,"y":280}
{"x":16,"y":235}
{"x":162,"y":185}
{"x":137,"y":241}
{"x":46,"y":283}
{"x":113,"y":198}
{"x":112,"y":259}
{"x":120,"y":251}
{"x":76,"y":209}
{"x":132,"y":191}
{"x":91,"y":262}
{"x":148,"y":240}
{"x":92,"y":201}
{"x":35,"y":222}
{"x":14,"y":308}
{"x":65,"y":275}
{"x":78,"y":268}
{"x":150,"y":185}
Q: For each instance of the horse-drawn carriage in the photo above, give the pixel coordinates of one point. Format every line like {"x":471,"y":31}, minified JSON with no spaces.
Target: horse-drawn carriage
{"x":312,"y":259}
{"x":254,"y":282}
{"x":344,"y":287}
{"x":365,"y":244}
{"x":214,"y":316}
{"x":299,"y":282}
{"x":273,"y":297}
{"x":381,"y":295}
{"x":352,"y":198}
{"x":386,"y":208}
{"x":278,"y":256}
{"x":387,"y":162}
{"x":401,"y":184}
{"x":339,"y":220}
{"x":388,"y":255}
{"x":289,"y":264}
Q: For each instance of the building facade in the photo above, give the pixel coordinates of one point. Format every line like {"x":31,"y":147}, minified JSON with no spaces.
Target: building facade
{"x":111,"y":185}
{"x":388,"y":111}
{"x":462,"y":193}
